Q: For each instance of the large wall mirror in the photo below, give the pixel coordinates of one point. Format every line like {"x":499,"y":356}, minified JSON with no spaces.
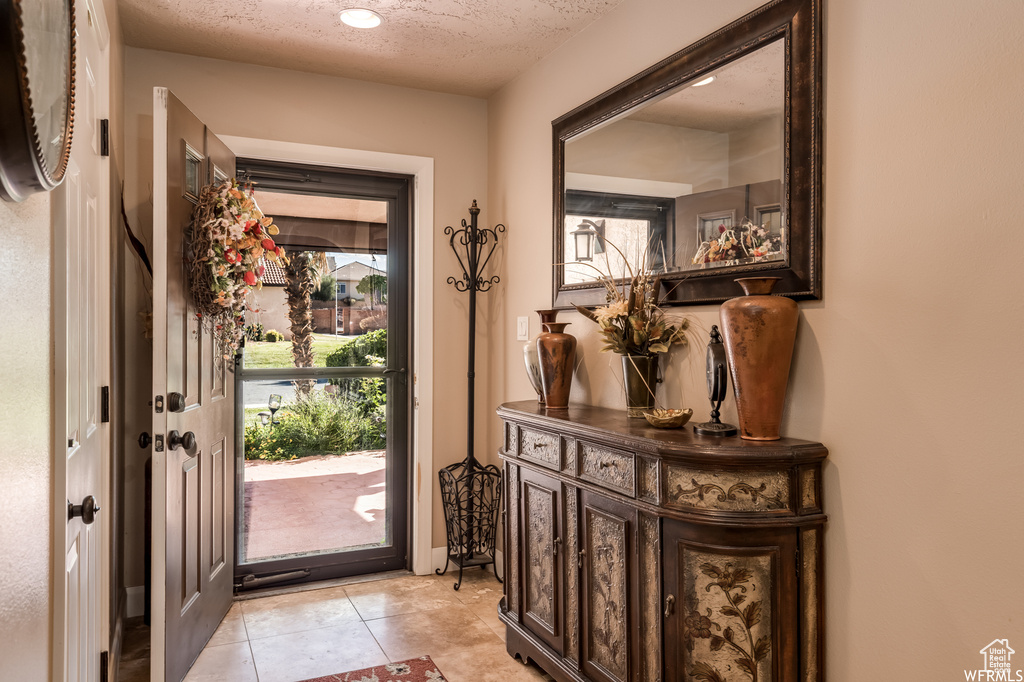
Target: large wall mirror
{"x":707,"y":166}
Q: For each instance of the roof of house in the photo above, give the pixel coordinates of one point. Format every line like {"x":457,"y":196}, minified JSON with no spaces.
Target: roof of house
{"x":355,"y":271}
{"x":273,"y":274}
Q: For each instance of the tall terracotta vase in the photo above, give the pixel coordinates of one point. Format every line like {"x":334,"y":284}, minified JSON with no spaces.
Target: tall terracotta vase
{"x":556,"y":352}
{"x":530,"y":354}
{"x":760,"y":330}
{"x":640,"y":380}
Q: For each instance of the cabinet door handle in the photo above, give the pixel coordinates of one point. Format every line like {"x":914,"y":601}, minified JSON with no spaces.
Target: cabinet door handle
{"x":557,"y":544}
{"x":670,"y":605}
{"x":583,"y":553}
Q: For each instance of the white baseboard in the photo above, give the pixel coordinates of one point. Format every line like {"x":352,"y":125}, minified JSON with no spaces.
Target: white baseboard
{"x":438,"y":555}
{"x":135,"y":603}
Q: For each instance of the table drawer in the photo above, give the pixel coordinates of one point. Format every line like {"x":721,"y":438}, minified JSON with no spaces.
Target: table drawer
{"x":608,"y":468}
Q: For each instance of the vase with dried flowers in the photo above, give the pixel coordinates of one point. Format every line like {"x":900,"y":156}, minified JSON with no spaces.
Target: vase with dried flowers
{"x":634,"y":326}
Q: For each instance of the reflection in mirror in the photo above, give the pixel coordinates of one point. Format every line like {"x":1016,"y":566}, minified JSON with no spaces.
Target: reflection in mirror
{"x":694,"y":176}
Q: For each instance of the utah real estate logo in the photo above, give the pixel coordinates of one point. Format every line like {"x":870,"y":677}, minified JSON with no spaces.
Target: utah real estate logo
{"x":997,"y":664}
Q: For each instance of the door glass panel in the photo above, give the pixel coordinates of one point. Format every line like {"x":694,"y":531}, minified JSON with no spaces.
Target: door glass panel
{"x":315,"y":467}
{"x":323,"y":388}
{"x":337,"y":252}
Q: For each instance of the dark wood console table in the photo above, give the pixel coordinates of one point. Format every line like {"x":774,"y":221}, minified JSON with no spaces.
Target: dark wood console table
{"x":635,"y":554}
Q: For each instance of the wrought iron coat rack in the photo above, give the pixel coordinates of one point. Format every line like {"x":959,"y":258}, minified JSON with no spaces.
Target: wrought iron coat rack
{"x":471,"y":492}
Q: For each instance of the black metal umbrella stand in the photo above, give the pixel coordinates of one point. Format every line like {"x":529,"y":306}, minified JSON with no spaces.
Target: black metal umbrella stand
{"x":470,"y":491}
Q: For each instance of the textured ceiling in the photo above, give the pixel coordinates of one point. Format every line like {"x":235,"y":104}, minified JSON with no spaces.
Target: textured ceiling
{"x":466,"y":47}
{"x":750,"y":89}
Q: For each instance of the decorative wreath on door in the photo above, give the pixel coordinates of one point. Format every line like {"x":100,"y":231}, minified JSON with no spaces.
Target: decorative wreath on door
{"x":224,"y":244}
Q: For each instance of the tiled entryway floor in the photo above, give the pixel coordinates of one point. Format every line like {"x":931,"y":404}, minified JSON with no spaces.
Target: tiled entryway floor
{"x":320,"y":632}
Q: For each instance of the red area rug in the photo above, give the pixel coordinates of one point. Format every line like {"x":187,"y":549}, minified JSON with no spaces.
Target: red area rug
{"x":413,"y":670}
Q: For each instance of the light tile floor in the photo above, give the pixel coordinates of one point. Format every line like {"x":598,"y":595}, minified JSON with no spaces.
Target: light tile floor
{"x":320,"y":632}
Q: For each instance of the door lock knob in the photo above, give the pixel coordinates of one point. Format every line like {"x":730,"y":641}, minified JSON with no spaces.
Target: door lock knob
{"x":186,"y":440}
{"x":87,"y":510}
{"x":145,"y":439}
{"x":175,"y":402}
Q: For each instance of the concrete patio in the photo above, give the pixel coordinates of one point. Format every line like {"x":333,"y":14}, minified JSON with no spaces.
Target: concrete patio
{"x":313,"y":505}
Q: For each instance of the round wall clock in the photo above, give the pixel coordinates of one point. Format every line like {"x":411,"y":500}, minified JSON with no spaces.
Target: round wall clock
{"x":37,"y":94}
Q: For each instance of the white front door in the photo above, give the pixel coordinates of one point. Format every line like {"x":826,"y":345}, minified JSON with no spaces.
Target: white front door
{"x":193,"y":482}
{"x":81,"y":358}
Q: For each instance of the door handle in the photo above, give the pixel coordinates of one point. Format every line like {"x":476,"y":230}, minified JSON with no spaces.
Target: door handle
{"x":582,"y":556}
{"x":393,"y":371}
{"x":144,"y":440}
{"x":87,"y":510}
{"x":555,"y":546}
{"x":176,"y":440}
{"x":670,"y":605}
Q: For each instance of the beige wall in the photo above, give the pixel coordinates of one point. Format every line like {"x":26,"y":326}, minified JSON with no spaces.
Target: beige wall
{"x":25,"y":431}
{"x":755,"y":152}
{"x":653,"y":151}
{"x":272,"y":303}
{"x":311,"y":109}
{"x":909,"y":369}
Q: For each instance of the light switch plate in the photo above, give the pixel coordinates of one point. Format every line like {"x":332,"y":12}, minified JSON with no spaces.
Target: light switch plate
{"x":522,"y":329}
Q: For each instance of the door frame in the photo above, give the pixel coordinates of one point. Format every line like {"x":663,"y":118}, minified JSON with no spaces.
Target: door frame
{"x":421,"y":482}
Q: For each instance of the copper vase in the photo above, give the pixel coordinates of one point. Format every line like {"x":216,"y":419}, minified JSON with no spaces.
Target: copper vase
{"x":530,"y":354}
{"x":759,"y":330}
{"x":556,"y":353}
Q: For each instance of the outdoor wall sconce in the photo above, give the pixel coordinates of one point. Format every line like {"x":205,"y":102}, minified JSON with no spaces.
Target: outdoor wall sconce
{"x":583,"y":237}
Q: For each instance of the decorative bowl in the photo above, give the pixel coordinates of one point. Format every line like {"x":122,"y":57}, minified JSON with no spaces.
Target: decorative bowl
{"x":668,"y":419}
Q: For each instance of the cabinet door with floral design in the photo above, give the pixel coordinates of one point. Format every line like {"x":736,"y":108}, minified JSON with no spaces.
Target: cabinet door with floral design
{"x":610,"y":596}
{"x":540,"y":502}
{"x":728,"y":595}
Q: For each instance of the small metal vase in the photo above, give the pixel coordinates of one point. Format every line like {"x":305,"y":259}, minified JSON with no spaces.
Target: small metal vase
{"x":556,"y":351}
{"x":530,"y":357}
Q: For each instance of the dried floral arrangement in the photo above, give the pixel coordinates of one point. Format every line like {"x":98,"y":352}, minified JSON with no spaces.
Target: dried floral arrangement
{"x":633,"y":323}
{"x":747,"y":243}
{"x":226,"y":240}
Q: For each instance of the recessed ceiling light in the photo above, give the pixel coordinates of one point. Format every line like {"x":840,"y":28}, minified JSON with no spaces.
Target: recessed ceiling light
{"x":706,"y":81}
{"x":360,"y":18}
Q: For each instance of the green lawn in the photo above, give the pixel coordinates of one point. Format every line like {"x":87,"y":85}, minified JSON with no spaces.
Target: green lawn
{"x":263,"y":354}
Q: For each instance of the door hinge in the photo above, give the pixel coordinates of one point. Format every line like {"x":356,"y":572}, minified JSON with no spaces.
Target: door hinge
{"x":105,"y":404}
{"x":158,"y":404}
{"x":104,"y":666}
{"x":104,"y":137}
{"x":158,"y":442}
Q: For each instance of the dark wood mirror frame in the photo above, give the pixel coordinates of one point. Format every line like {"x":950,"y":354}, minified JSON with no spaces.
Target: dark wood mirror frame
{"x":24,"y":168}
{"x":799,"y":23}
